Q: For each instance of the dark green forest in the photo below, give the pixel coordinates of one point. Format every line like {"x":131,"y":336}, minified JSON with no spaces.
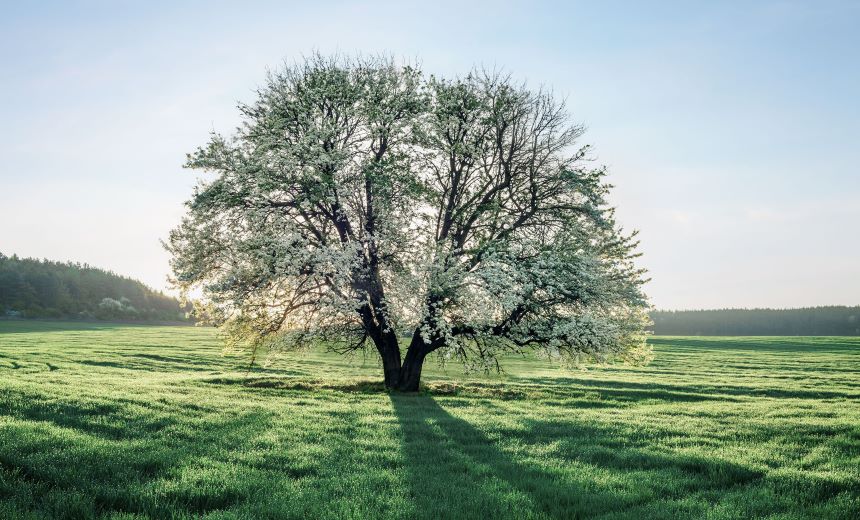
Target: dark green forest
{"x":32,"y":288}
{"x":809,"y":321}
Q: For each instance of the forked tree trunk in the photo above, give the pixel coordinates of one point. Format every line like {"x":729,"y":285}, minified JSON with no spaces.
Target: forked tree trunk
{"x":410,"y":372}
{"x":405,"y":377}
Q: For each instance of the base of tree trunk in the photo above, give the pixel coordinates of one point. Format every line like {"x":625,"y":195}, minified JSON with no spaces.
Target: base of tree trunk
{"x":409,"y":377}
{"x":407,"y":384}
{"x":411,"y":385}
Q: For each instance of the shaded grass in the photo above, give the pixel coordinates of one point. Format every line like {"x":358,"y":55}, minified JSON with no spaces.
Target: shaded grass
{"x":105,"y":421}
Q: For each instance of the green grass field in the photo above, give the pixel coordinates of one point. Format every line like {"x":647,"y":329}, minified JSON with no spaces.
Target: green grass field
{"x":117,"y":421}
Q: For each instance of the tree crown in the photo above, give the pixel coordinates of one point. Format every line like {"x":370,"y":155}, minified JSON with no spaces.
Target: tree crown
{"x":362,"y":201}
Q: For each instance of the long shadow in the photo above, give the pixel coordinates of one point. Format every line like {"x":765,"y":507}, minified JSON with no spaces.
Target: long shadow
{"x":628,"y":390}
{"x":150,"y":362}
{"x":182,"y":460}
{"x":459,"y":471}
{"x":455,"y":470}
{"x":107,"y":471}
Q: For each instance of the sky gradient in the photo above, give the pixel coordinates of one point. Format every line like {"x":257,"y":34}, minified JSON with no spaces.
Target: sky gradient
{"x":731,"y":130}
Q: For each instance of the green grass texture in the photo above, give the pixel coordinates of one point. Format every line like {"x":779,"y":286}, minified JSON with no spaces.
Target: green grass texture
{"x":133,"y":422}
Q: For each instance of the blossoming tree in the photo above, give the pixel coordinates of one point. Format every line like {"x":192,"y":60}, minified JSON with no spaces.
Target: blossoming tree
{"x":362,"y":204}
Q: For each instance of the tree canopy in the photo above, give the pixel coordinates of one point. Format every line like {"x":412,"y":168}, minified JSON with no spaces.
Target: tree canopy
{"x":362,"y":203}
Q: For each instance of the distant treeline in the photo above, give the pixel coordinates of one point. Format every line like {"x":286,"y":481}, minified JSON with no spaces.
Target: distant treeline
{"x":809,"y":321}
{"x":31,"y":288}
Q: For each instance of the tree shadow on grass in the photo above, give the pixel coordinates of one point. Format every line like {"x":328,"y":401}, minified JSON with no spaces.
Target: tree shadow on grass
{"x":87,"y":469}
{"x":633,"y":391}
{"x":556,"y":469}
{"x":67,"y":458}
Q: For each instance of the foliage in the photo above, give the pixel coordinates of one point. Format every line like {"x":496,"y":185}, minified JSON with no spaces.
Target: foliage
{"x":810,"y":321}
{"x":363,"y":203}
{"x":161,"y":425}
{"x":32,"y":288}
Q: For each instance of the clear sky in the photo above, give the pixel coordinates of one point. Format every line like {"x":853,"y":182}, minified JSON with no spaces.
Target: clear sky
{"x":731,"y":129}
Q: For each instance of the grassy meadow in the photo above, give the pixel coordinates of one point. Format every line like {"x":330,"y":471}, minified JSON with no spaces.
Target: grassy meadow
{"x":120,"y":421}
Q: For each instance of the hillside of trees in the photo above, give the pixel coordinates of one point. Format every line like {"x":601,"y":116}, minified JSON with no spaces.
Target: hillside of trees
{"x":31,"y":288}
{"x":810,"y":321}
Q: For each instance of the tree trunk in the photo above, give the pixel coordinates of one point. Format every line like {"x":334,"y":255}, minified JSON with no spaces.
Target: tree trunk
{"x":391,"y":366}
{"x":410,"y":372}
{"x":405,"y":377}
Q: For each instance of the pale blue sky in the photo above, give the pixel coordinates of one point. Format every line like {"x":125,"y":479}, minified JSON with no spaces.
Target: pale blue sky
{"x":731,"y":129}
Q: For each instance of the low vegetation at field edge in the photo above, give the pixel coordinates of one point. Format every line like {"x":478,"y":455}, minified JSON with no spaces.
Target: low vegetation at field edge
{"x":119,"y":421}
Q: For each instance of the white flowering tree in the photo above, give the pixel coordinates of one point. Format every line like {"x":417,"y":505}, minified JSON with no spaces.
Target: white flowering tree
{"x":362,"y":204}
